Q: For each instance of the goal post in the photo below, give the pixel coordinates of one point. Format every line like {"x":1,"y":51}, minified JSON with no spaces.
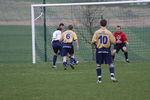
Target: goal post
{"x":79,"y":14}
{"x":33,"y":35}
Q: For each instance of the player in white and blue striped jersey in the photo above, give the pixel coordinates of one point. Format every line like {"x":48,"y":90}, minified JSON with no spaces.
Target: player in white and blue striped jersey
{"x":56,"y":44}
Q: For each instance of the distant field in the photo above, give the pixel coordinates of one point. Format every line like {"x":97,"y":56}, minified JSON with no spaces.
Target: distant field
{"x":15,"y":43}
{"x":25,"y":81}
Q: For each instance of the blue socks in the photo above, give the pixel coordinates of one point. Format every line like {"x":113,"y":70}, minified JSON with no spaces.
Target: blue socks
{"x":54,"y":60}
{"x":98,"y":70}
{"x":65,"y":64}
{"x":72,"y":60}
{"x":111,"y":69}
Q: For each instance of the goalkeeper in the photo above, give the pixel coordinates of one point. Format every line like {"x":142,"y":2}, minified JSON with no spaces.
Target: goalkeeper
{"x":121,"y":42}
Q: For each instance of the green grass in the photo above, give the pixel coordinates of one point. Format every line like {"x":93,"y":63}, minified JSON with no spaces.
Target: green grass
{"x":24,"y":81}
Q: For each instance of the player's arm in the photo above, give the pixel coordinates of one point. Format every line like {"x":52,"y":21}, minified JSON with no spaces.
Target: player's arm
{"x":125,"y":39}
{"x":112,"y":39}
{"x":94,"y":39}
{"x":77,"y":44}
{"x":76,"y":41}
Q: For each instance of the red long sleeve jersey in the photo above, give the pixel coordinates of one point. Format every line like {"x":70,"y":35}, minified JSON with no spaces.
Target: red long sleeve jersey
{"x":120,"y":38}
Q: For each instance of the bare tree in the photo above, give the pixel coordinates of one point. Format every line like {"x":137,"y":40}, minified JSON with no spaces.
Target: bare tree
{"x":89,"y":19}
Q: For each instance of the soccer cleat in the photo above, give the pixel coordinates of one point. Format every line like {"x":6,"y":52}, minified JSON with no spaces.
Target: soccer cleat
{"x":114,"y":79}
{"x":65,"y":68}
{"x":98,"y":81}
{"x":76,"y":62}
{"x":127,"y":60}
{"x":54,"y":66}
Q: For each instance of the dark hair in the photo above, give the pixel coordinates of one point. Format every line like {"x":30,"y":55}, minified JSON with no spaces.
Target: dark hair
{"x":59,"y":28}
{"x":70,"y":27}
{"x":103,"y":22}
{"x":119,"y":26}
{"x":61,"y":24}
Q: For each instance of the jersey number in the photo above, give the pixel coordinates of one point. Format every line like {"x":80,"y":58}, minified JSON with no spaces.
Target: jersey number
{"x":103,"y":39}
{"x":68,"y":36}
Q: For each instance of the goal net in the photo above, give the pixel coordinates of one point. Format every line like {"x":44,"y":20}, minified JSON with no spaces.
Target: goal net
{"x":132,"y":16}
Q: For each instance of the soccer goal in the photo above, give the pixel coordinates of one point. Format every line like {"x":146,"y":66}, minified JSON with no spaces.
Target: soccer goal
{"x":132,"y":16}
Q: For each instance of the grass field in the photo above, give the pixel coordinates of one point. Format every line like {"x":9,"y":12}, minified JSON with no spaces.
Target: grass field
{"x":25,"y":81}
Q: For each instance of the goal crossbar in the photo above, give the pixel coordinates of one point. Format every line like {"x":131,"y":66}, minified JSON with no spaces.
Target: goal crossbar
{"x":89,"y":3}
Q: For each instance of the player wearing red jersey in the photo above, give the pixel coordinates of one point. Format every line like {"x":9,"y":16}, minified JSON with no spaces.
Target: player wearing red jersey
{"x":121,"y":42}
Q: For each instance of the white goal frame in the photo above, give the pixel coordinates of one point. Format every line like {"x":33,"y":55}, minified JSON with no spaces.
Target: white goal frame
{"x":33,"y":19}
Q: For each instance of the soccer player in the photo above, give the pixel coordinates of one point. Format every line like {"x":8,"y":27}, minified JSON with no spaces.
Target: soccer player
{"x":56,"y":44}
{"x":103,"y":39}
{"x":67,"y":39}
{"x":121,"y":42}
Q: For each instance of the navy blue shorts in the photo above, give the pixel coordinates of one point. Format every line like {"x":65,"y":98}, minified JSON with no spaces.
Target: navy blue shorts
{"x":67,"y":48}
{"x":119,"y":46}
{"x":103,"y":56}
{"x":57,"y":47}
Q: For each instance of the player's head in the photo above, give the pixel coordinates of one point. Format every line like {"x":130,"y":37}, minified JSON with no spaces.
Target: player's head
{"x":118,"y":29}
{"x":70,"y":27}
{"x":103,"y":23}
{"x":61,"y":26}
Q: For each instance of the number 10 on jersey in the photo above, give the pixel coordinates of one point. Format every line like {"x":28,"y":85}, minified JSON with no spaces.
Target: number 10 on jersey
{"x":103,"y":39}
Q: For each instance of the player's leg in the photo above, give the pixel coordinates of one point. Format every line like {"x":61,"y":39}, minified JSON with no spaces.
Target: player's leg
{"x":64,"y":54}
{"x":116,"y":50}
{"x":112,"y":73}
{"x":99,"y":73}
{"x":54,"y":61}
{"x":108,"y":60}
{"x":113,"y":54}
{"x":124,"y":49}
{"x":60,"y":49}
{"x":72,"y":59}
{"x":99,"y":61}
{"x":65,"y":62}
{"x":55,"y":49}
